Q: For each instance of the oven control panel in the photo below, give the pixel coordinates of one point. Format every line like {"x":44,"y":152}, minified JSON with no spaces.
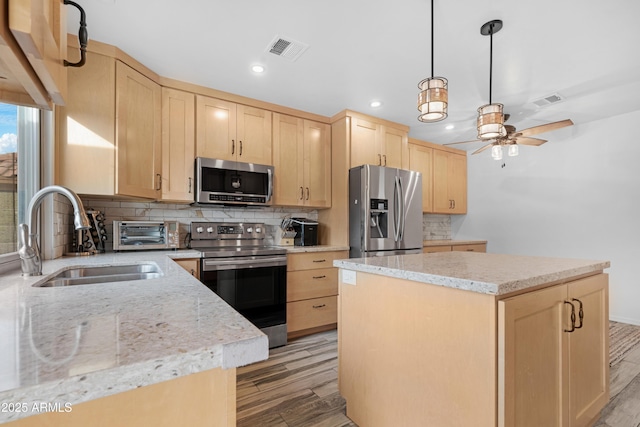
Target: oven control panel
{"x":227,"y":230}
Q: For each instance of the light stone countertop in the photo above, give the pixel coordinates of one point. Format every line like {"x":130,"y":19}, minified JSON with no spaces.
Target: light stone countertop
{"x":318,"y":248}
{"x":78,"y":343}
{"x":452,"y":242}
{"x":486,"y":273}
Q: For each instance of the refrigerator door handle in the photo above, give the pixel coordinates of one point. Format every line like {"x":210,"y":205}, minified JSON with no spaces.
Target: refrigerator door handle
{"x":397,"y":201}
{"x":401,"y":220}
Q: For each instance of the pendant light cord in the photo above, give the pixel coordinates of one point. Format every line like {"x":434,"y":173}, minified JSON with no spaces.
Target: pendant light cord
{"x":490,"y":60}
{"x":432,"y":39}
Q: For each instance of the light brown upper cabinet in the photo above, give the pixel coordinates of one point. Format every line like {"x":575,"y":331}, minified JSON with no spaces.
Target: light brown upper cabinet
{"x":109,"y":132}
{"x":444,"y":177}
{"x":374,"y":143}
{"x":302,"y":162}
{"x":178,"y":145}
{"x":421,"y":160}
{"x":229,"y":131}
{"x":32,"y":31}
{"x":449,"y":182}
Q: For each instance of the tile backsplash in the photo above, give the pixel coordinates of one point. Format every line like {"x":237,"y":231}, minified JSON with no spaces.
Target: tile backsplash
{"x":434,"y":227}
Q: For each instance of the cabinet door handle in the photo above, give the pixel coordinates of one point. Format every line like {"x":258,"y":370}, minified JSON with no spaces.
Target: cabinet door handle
{"x":385,"y":159}
{"x":240,"y":153}
{"x":233,"y":146}
{"x":159,"y":185}
{"x":573,"y":317}
{"x":319,"y":260}
{"x":454,"y":203}
{"x":193,"y":272}
{"x":83,"y":37}
{"x":301,"y":193}
{"x":307,"y":193}
{"x":580,"y":313}
{"x":379,"y":160}
{"x":320,"y":306}
{"x":189,"y":185}
{"x":319,"y":277}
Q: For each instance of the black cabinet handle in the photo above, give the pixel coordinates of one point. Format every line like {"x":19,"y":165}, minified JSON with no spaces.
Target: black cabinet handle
{"x":233,"y":146}
{"x":573,"y":317}
{"x":580,"y":313}
{"x":240,"y":153}
{"x":319,"y":260}
{"x":83,"y":36}
{"x":319,"y":277}
{"x":319,"y":306}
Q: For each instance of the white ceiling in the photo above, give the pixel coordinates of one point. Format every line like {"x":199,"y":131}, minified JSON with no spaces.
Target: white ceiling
{"x":361,"y":50}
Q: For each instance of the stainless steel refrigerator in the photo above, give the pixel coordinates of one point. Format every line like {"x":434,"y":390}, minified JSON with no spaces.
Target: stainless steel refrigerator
{"x":385,"y":211}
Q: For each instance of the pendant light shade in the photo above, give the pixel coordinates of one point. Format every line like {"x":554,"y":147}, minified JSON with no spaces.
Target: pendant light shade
{"x":513,"y":150}
{"x":496,"y":152}
{"x":491,"y":121}
{"x":433,"y":99}
{"x":491,"y":116}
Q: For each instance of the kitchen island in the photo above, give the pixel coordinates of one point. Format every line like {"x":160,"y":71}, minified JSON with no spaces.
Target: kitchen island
{"x":466,"y":338}
{"x":160,"y":351}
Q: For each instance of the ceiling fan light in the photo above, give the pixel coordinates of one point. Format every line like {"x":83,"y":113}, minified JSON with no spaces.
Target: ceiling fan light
{"x":513,"y":150}
{"x":433,"y":99}
{"x":491,"y":121}
{"x":496,"y":152}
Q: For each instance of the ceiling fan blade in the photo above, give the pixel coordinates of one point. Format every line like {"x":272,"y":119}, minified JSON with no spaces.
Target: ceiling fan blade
{"x":545,"y":128}
{"x":530,"y":141}
{"x":462,"y":142}
{"x":482,"y":148}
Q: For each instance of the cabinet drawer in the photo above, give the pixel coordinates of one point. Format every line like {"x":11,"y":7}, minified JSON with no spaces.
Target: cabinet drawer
{"x":480,"y":247}
{"x":306,"y":284}
{"x":313,"y":260}
{"x":311,"y":313}
{"x":433,"y":249}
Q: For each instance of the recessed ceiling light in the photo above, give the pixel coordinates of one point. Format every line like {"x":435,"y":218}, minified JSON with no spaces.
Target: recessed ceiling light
{"x":257,"y":68}
{"x":375,"y":104}
{"x":449,"y":127}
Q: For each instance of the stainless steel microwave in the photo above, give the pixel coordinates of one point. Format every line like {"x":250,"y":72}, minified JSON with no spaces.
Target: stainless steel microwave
{"x":145,"y":235}
{"x":232,"y":183}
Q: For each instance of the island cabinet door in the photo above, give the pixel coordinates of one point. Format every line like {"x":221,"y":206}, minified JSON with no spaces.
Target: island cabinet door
{"x":553,"y":368}
{"x":532,"y":353}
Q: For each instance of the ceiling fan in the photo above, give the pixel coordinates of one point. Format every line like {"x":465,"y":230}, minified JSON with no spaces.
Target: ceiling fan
{"x":515,"y":137}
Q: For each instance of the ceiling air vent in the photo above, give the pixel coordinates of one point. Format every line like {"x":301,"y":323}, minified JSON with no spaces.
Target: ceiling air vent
{"x":548,"y":100}
{"x":286,"y":48}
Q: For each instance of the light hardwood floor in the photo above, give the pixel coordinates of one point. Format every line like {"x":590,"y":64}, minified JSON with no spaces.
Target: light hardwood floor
{"x":297,"y":387}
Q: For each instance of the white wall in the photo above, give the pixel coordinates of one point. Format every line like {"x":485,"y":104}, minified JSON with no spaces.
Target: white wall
{"x":577,"y":196}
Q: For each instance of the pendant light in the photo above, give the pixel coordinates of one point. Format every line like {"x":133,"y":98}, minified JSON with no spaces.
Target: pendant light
{"x":491,"y":116}
{"x":433,"y":98}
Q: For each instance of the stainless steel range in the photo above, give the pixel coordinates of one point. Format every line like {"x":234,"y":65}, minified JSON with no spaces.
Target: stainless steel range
{"x":249,"y":275}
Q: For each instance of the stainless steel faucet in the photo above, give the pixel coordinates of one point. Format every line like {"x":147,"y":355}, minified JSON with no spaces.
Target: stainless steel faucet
{"x":29,"y":250}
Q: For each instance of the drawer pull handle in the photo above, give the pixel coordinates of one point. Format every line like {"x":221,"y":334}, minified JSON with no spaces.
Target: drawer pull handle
{"x":320,"y":306}
{"x":469,"y":250}
{"x":319,"y":277}
{"x":319,"y":260}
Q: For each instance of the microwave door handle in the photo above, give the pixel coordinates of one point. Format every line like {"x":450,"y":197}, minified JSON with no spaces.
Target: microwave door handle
{"x":270,"y":184}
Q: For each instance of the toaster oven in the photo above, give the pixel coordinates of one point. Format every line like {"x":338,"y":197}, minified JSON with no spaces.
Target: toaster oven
{"x":145,"y":235}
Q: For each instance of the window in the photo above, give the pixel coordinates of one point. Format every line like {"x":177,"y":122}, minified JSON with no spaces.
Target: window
{"x":19,"y":172}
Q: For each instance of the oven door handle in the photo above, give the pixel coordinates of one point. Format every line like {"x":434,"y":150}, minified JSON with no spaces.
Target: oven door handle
{"x":242,"y":263}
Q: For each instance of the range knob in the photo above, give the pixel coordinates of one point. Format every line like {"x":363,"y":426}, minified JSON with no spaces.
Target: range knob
{"x":209,"y":229}
{"x":199,"y":229}
{"x":249,"y":229}
{"x":258,"y":230}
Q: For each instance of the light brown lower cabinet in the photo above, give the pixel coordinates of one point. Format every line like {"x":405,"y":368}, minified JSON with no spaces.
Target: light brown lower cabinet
{"x":205,"y":398}
{"x":312,"y":289}
{"x":192,"y":265}
{"x":475,"y":247}
{"x":429,"y":355}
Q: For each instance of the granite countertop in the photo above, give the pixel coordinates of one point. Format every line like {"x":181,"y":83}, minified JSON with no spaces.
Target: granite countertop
{"x":492,"y":274}
{"x":318,"y":248}
{"x":452,"y":242}
{"x":78,"y":343}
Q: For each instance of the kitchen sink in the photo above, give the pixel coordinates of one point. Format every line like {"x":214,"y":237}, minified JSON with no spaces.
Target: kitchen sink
{"x":102,"y":274}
